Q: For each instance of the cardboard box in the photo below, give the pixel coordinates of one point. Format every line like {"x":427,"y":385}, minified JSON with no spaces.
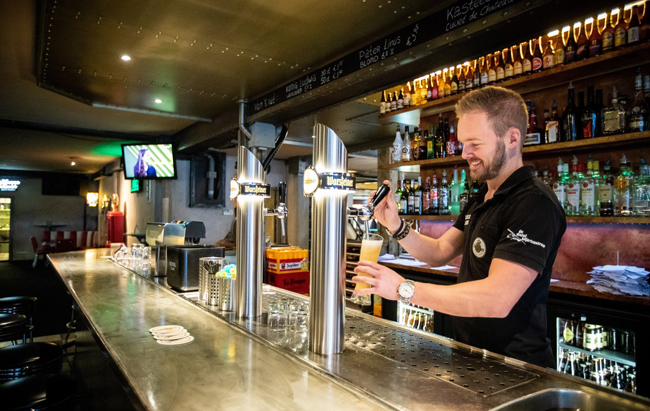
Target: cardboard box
{"x":296,"y":282}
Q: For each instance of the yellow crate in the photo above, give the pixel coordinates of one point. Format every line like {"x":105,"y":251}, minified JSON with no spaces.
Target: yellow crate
{"x":286,"y":260}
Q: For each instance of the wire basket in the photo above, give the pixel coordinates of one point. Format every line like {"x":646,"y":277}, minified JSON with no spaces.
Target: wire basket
{"x":208,"y":281}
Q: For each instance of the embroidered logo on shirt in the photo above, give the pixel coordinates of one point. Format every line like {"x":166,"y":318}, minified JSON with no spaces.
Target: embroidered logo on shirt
{"x":523,"y":238}
{"x":467,"y":217}
{"x":478,"y":248}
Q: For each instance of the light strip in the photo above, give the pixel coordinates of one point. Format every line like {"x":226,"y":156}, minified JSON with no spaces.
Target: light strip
{"x":152,"y":112}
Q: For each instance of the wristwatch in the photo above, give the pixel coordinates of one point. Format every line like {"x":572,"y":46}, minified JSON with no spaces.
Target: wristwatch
{"x":405,"y":291}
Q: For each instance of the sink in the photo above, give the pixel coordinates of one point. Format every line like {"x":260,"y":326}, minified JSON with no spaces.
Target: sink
{"x":572,"y":400}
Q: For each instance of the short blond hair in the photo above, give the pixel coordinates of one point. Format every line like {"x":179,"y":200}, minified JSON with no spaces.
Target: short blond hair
{"x":504,"y":109}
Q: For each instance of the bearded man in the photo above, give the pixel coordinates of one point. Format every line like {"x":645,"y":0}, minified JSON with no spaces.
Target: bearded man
{"x":508,"y":234}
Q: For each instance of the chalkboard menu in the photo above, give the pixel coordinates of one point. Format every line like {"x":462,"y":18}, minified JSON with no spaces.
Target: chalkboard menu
{"x":453,"y":17}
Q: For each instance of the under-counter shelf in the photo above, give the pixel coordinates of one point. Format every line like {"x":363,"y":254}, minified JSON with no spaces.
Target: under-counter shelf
{"x":572,"y":147}
{"x":619,"y":357}
{"x":571,"y":220}
{"x":607,"y":63}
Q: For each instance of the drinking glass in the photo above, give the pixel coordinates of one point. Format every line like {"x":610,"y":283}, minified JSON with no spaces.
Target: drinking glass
{"x":370,"y":249}
{"x":277,"y":319}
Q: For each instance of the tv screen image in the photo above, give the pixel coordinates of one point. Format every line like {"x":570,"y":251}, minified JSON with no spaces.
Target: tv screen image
{"x":148,"y":161}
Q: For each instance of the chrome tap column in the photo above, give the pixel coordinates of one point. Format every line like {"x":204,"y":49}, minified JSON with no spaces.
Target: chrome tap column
{"x":329,"y":216}
{"x":250,"y":236}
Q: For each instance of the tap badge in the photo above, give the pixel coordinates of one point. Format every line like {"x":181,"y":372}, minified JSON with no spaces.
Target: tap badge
{"x":310,"y":181}
{"x":313,"y":181}
{"x":249,"y":189}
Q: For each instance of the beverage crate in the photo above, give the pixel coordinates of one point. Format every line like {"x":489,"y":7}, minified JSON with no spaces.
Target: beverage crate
{"x":297,"y":282}
{"x":286,"y":260}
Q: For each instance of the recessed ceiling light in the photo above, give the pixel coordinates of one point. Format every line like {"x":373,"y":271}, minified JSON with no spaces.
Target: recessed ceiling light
{"x":72,"y":161}
{"x":126,"y":57}
{"x":158,"y":101}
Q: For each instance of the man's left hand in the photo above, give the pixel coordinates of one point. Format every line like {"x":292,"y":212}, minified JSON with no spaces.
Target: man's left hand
{"x":383,"y":281}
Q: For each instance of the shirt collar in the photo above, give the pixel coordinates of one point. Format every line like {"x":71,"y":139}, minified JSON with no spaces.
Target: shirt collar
{"x":517,"y":177}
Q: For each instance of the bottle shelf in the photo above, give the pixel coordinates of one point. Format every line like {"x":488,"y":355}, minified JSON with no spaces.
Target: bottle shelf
{"x":619,"y":357}
{"x":543,"y":150}
{"x":607,"y":63}
{"x":570,"y":220}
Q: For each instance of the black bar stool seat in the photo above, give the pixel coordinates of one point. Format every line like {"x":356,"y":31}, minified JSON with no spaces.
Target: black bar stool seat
{"x":39,"y":392}
{"x":18,"y":305}
{"x":29,"y":359}
{"x":13,"y":326}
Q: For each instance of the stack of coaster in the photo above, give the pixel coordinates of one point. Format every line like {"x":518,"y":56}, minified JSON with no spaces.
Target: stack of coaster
{"x":171,"y":335}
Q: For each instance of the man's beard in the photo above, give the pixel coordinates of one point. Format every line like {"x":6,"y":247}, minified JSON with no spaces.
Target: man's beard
{"x":497,"y":163}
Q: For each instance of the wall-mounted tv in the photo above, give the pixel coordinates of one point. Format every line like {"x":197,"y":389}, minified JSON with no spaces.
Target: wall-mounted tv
{"x":148,"y":161}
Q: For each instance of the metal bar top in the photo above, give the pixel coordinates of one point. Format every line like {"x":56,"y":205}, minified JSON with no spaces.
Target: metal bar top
{"x":238,"y":363}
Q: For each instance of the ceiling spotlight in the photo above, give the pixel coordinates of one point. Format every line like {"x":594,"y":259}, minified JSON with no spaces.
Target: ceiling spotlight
{"x":158,"y":101}
{"x":72,"y":161}
{"x":126,"y":57}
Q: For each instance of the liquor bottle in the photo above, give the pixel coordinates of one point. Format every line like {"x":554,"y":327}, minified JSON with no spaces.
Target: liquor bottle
{"x":426,"y":199}
{"x":638,"y":118}
{"x":620,"y":31}
{"x":546,"y":177}
{"x":598,"y":107}
{"x":572,"y":207}
{"x":582,"y":42}
{"x":439,"y":147}
{"x":403,"y":202}
{"x":624,"y":190}
{"x":424,"y":92}
{"x":406,"y":145}
{"x":443,"y":195}
{"x":382,"y":103}
{"x":434,"y":86}
{"x":422,"y":147}
{"x":400,"y":100}
{"x":595,"y":39}
{"x":417,"y":201}
{"x":441,"y":84}
{"x":485,"y":77}
{"x":646,"y":87}
{"x":439,"y":133}
{"x":411,"y":199}
{"x":587,"y":192}
{"x":614,"y":116}
{"x":454,"y":193}
{"x":448,"y":83}
{"x":463,"y":197}
{"x":469,"y":77}
{"x":570,"y":119}
{"x":477,"y":75}
{"x":508,"y":63}
{"x":527,"y":58}
{"x":492,"y":69}
{"x":433,"y":195}
{"x":398,"y":197}
{"x":633,"y":35}
{"x":608,"y":32}
{"x":415,"y":145}
{"x":474,"y":189}
{"x":571,"y":48}
{"x":589,"y":118}
{"x":538,"y":62}
{"x":549,"y":56}
{"x":644,"y":30}
{"x":642,"y":191}
{"x":552,"y":134}
{"x":499,"y":66}
{"x":595,"y":172}
{"x":606,"y":195}
{"x":559,"y":185}
{"x":533,"y":135}
{"x":396,"y":153}
{"x":560,"y":46}
{"x":461,"y":78}
{"x":451,"y":142}
{"x":581,"y":108}
{"x":430,"y":144}
{"x":429,"y":89}
{"x":453,"y":86}
{"x":517,"y":64}
{"x":407,"y":95}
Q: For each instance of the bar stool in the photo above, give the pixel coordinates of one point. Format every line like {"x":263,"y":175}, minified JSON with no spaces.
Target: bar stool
{"x":39,"y":392}
{"x":13,"y":326}
{"x":20,"y":305}
{"x":29,"y":359}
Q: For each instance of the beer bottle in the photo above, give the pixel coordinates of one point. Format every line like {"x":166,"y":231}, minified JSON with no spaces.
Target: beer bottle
{"x":527,"y":58}
{"x":400,"y":100}
{"x":423,"y":92}
{"x":582,"y":51}
{"x":469,"y":77}
{"x":595,"y":40}
{"x":484,"y":72}
{"x":393,"y":103}
{"x":538,"y":61}
{"x":633,"y":35}
{"x":429,"y":90}
{"x":560,"y":47}
{"x":415,"y":94}
{"x":500,"y":67}
{"x":389,"y":102}
{"x":620,"y":31}
{"x":453,"y":85}
{"x":549,"y":56}
{"x":461,"y":78}
{"x":407,"y":95}
{"x":509,"y":68}
{"x":571,"y":48}
{"x":492,"y":69}
{"x":644,"y":30}
{"x":608,"y":32}
{"x":448,"y":83}
{"x":518,"y":63}
{"x":382,"y":103}
{"x":434,"y":86}
{"x":441,"y":85}
{"x":422,"y":145}
{"x":477,"y":74}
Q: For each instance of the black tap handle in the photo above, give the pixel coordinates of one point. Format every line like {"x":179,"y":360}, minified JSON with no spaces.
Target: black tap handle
{"x":379,"y":195}
{"x":282,"y":191}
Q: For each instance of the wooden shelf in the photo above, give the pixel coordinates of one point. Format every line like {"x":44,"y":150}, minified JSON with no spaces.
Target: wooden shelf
{"x":619,"y":357}
{"x":607,"y":63}
{"x":570,"y":220}
{"x":543,"y":150}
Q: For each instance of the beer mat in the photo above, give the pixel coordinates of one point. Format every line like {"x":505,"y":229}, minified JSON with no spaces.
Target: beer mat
{"x":444,"y":267}
{"x":386,"y":257}
{"x":169,"y":332}
{"x":185,"y":340}
{"x":163,"y":328}
{"x":171,"y":337}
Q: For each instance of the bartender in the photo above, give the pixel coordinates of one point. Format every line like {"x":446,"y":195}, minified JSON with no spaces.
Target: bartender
{"x":508,"y":234}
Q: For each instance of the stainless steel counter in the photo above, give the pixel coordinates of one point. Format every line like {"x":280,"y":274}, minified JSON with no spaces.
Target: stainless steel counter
{"x":237,"y":364}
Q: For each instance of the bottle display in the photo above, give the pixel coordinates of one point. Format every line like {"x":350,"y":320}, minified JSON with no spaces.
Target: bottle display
{"x":549,"y":56}
{"x":560,"y":52}
{"x":614,"y":116}
{"x":634,"y":26}
{"x":571,"y":49}
{"x":582,"y":43}
{"x":527,"y":57}
{"x":595,"y":39}
{"x":620,"y":31}
{"x":608,"y":31}
{"x":570,"y":118}
{"x":638,"y":118}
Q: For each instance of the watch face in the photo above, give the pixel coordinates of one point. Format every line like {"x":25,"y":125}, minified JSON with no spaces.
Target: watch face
{"x":406,"y":290}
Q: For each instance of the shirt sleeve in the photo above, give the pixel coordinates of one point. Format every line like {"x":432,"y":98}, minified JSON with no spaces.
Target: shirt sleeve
{"x":531,"y":232}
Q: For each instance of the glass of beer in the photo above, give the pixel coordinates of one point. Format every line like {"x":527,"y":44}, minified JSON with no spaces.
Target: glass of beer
{"x":370,"y":249}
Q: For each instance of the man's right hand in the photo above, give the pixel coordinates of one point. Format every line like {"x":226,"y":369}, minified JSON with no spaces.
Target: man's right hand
{"x":386,"y":211}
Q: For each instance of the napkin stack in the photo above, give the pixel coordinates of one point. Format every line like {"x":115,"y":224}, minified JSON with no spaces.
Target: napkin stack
{"x":620,"y":279}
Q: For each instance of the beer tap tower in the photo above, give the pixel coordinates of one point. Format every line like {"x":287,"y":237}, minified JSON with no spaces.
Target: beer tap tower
{"x":329,"y":184}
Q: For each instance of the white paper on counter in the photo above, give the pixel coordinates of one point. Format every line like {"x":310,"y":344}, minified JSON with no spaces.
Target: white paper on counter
{"x":444,"y":267}
{"x":411,"y":263}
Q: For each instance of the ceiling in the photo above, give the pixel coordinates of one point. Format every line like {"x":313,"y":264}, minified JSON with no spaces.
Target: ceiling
{"x":65,"y":92}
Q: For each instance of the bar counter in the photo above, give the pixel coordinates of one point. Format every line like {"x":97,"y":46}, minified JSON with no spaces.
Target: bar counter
{"x":239,"y":364}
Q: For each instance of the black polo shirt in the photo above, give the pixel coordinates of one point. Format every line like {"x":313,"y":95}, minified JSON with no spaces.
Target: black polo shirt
{"x":523,"y":222}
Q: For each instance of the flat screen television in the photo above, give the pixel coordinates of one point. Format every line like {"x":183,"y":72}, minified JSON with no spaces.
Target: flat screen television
{"x":148,"y":161}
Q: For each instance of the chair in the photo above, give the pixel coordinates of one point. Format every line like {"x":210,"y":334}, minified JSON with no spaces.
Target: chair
{"x":39,"y":392}
{"x":30,"y":359}
{"x":20,"y":305}
{"x":13,"y":326}
{"x":37,"y":251}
